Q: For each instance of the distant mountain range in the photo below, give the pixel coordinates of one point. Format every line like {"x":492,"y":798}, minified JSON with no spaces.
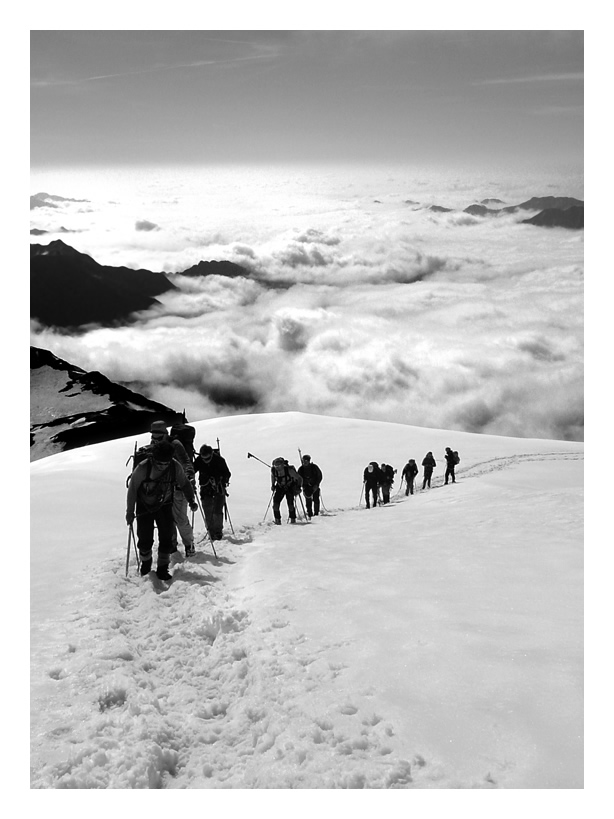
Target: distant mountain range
{"x":69,"y":289}
{"x":70,"y":407}
{"x":554,"y":211}
{"x":48,"y":200}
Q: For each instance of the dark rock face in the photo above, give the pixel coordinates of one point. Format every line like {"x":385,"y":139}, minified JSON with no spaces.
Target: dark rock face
{"x":70,"y":407}
{"x":439,"y":209}
{"x":69,"y":289}
{"x":572,"y":218}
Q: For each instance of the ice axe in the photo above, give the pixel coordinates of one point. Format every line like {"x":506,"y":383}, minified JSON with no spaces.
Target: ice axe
{"x":249,"y":455}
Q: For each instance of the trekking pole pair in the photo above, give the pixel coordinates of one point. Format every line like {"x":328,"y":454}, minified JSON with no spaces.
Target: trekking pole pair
{"x":205,"y":522}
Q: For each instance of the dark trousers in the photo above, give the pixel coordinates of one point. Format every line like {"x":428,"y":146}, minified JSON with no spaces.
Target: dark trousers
{"x":371,"y":489}
{"x":386,"y":492}
{"x":313,"y":502}
{"x":410,"y":485}
{"x":278,"y":495}
{"x":427,"y":478}
{"x":213,"y":508}
{"x":145,"y":521}
{"x":450,"y":473}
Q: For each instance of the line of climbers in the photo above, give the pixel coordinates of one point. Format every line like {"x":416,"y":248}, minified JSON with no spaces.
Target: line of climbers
{"x":163,"y":484}
{"x":378,"y":478}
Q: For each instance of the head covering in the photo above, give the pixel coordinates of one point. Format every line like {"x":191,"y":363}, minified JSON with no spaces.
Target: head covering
{"x":163,"y":451}
{"x":206,"y":451}
{"x":279,"y":461}
{"x":158,"y":426}
{"x":306,"y":457}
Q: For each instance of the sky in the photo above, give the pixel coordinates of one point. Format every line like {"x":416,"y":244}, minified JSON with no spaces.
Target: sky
{"x":439,"y":638}
{"x":108,"y":97}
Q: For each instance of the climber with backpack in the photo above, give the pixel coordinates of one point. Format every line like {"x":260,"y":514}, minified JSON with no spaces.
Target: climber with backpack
{"x":285,"y":483}
{"x":213,"y":478}
{"x":312,"y":478}
{"x":180,"y":506}
{"x":386,"y":481}
{"x":452,"y":459}
{"x":151,"y":490}
{"x":410,"y":470}
{"x":372,"y":478}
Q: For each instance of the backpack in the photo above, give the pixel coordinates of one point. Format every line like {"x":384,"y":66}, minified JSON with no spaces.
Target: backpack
{"x":287,"y":476}
{"x":389,"y":473}
{"x":456,"y":457}
{"x":186,"y":434}
{"x":139,"y":455}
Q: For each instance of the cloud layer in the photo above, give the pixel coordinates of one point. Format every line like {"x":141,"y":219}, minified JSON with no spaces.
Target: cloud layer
{"x":350,"y":307}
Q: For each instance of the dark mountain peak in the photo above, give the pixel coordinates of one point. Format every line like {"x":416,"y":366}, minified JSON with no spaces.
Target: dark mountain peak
{"x":439,"y":209}
{"x":571,"y":218}
{"x":215,"y":268}
{"x":58,"y":248}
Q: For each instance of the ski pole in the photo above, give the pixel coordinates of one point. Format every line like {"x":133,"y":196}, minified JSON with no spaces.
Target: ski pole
{"x":206,"y":527}
{"x":361,"y":493}
{"x":300,"y":497}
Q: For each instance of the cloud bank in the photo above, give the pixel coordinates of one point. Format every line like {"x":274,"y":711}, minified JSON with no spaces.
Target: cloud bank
{"x":351,"y":308}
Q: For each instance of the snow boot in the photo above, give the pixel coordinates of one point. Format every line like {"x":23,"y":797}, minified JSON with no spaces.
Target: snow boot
{"x":145,"y":567}
{"x":190,"y":551}
{"x":163,"y":573}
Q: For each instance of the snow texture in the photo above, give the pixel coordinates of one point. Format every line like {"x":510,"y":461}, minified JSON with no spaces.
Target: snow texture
{"x":432,"y":644}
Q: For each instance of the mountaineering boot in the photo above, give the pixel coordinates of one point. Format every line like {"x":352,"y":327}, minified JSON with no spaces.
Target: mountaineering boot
{"x":163,"y":573}
{"x":145,"y":567}
{"x":292,"y":520}
{"x":277,"y":521}
{"x":190,"y":551}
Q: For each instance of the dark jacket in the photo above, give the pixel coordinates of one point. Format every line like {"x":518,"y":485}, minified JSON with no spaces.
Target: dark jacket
{"x":410,"y":470}
{"x":312,"y":477}
{"x":450,"y":459}
{"x":429,"y":463}
{"x":374,"y":478}
{"x":213,"y":477}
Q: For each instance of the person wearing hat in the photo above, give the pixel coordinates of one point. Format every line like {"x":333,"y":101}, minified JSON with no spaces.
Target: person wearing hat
{"x":213,"y":478}
{"x":150,"y":492}
{"x":312,"y":478}
{"x":285,"y":483}
{"x":372,"y":478}
{"x":410,"y":470}
{"x":450,"y":464}
{"x":429,"y":464}
{"x":180,"y":506}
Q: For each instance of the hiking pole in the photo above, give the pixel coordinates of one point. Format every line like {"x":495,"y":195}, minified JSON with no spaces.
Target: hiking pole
{"x":136,"y":551}
{"x":300,"y":497}
{"x":128,"y":552}
{"x":206,"y":527}
{"x":227,"y":513}
{"x":361,"y":493}
{"x":269,"y":506}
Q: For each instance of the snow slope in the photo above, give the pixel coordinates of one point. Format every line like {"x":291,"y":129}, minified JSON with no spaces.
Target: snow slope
{"x":432,"y":644}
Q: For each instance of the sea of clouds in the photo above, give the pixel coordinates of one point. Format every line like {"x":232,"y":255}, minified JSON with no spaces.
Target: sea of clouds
{"x":357,"y":300}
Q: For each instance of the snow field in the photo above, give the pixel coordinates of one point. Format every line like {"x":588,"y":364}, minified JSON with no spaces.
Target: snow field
{"x":435,"y":643}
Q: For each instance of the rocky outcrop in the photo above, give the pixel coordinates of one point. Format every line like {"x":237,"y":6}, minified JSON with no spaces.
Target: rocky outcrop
{"x":70,"y":407}
{"x":571,"y":218}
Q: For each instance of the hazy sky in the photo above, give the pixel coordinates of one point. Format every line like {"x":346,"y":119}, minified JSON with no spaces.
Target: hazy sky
{"x":109,"y":97}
